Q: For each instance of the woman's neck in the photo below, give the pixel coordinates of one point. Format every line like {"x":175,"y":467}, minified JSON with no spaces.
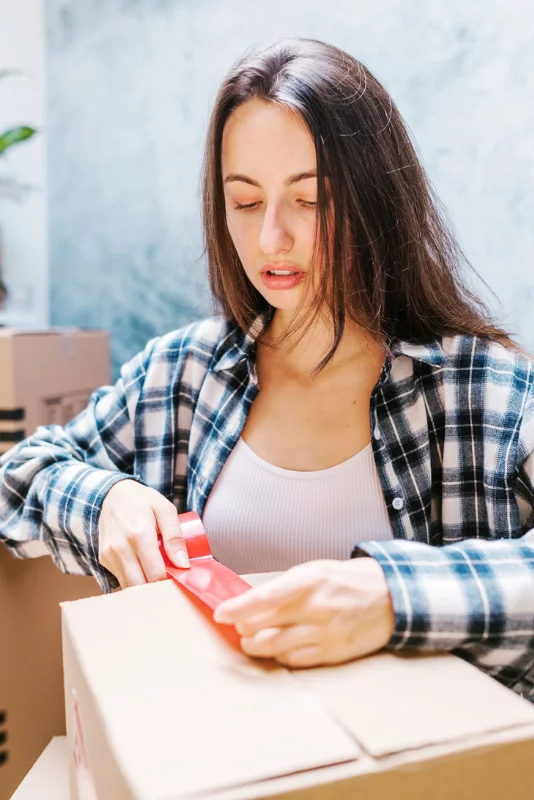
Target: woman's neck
{"x":357,"y":346}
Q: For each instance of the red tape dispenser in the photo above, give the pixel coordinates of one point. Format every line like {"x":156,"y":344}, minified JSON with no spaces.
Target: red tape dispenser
{"x":207,"y":579}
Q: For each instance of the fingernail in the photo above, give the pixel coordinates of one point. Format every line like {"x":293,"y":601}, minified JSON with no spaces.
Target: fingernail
{"x":181,"y":559}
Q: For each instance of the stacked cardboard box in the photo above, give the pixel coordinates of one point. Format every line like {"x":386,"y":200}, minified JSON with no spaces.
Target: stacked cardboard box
{"x":45,"y":377}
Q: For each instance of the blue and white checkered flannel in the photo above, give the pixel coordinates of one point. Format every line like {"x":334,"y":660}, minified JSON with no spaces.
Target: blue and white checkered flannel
{"x":453,"y":439}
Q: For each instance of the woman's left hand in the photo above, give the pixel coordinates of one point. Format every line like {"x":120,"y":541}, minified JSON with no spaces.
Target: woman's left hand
{"x":321,"y":612}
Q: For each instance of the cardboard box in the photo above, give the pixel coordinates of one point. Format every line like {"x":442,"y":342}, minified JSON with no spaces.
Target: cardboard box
{"x":160,"y":705}
{"x":31,"y":673}
{"x":48,"y":779}
{"x":47,"y":377}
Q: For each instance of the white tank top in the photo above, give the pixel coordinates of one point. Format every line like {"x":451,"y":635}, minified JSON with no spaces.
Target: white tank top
{"x":262,"y":518}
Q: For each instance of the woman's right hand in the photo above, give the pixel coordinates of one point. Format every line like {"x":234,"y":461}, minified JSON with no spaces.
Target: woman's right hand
{"x":131,"y":517}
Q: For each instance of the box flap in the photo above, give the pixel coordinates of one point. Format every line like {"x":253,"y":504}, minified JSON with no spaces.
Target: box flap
{"x":154,"y":728}
{"x":392,"y":703}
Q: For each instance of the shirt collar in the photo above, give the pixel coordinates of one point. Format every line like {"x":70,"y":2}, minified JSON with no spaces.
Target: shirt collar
{"x":430,"y":353}
{"x":242,"y":344}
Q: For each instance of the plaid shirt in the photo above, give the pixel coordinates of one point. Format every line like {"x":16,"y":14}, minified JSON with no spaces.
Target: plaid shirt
{"x":453,"y":437}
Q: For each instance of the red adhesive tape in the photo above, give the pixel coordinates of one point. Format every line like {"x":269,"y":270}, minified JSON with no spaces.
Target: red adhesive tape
{"x":207,"y":579}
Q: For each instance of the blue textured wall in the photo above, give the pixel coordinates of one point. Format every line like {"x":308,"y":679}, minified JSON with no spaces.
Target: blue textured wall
{"x":130,"y":85}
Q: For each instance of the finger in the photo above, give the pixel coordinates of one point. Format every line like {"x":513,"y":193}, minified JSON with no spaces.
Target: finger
{"x":133,"y":572}
{"x":115,"y":568}
{"x":151,"y":559}
{"x":273,"y":642}
{"x":291,"y":614}
{"x":302,"y":657}
{"x":171,"y":533}
{"x":121,"y":548}
{"x":263,"y":599}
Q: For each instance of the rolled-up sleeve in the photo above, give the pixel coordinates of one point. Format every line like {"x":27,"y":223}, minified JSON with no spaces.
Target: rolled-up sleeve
{"x":447,"y":597}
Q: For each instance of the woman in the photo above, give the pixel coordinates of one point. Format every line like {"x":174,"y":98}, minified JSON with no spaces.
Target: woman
{"x":352,"y":398}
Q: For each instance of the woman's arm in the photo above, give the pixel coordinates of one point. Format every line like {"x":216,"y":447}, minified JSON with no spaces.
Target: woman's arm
{"x":476,"y":596}
{"x":474,"y":592}
{"x":52,"y":484}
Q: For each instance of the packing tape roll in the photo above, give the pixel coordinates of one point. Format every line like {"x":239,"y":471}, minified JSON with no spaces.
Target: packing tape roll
{"x":207,"y":579}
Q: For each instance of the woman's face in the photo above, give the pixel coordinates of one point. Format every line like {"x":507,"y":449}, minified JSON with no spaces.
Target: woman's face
{"x":270,"y":189}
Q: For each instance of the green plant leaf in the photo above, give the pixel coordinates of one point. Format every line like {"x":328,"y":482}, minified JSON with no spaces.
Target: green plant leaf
{"x":14,"y":136}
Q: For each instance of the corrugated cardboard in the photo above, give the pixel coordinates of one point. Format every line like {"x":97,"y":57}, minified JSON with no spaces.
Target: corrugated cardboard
{"x":31,"y":674}
{"x":159,"y":705}
{"x":47,"y":377}
{"x":48,"y":779}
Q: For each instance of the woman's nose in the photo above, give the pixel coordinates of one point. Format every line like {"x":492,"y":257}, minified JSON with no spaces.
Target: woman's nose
{"x":275,"y":236}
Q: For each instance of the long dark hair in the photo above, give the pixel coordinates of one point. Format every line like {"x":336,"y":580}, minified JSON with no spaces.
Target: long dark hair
{"x":388,"y":259}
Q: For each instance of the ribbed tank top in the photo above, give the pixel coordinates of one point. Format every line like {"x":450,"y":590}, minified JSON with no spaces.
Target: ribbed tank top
{"x":262,"y":518}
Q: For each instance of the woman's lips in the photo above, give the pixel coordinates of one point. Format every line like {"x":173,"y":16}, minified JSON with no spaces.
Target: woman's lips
{"x":281,"y":281}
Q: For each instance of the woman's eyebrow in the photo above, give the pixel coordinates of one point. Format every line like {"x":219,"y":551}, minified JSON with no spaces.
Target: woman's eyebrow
{"x":301,"y":176}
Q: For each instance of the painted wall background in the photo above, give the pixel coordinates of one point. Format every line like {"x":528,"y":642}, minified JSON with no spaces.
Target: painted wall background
{"x":130,"y":87}
{"x":23,"y":215}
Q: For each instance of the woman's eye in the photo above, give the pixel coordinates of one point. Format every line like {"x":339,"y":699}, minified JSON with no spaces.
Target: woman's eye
{"x":252,"y":206}
{"x":246,"y":206}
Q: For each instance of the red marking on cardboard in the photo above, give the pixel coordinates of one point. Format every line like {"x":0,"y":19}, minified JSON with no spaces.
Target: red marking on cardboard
{"x":82,"y":771}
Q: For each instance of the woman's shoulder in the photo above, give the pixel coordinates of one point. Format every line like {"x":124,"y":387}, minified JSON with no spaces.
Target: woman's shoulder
{"x":199,"y":341}
{"x":475,"y":353}
{"x":492,"y":375}
{"x":201,"y":336}
{"x":456,"y":357}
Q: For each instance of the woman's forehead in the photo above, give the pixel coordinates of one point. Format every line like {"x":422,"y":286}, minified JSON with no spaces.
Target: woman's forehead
{"x":265,"y":136}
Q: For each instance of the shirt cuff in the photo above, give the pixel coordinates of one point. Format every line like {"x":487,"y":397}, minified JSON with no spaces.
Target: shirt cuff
{"x":108,"y":582}
{"x":79,"y":491}
{"x":476,"y":591}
